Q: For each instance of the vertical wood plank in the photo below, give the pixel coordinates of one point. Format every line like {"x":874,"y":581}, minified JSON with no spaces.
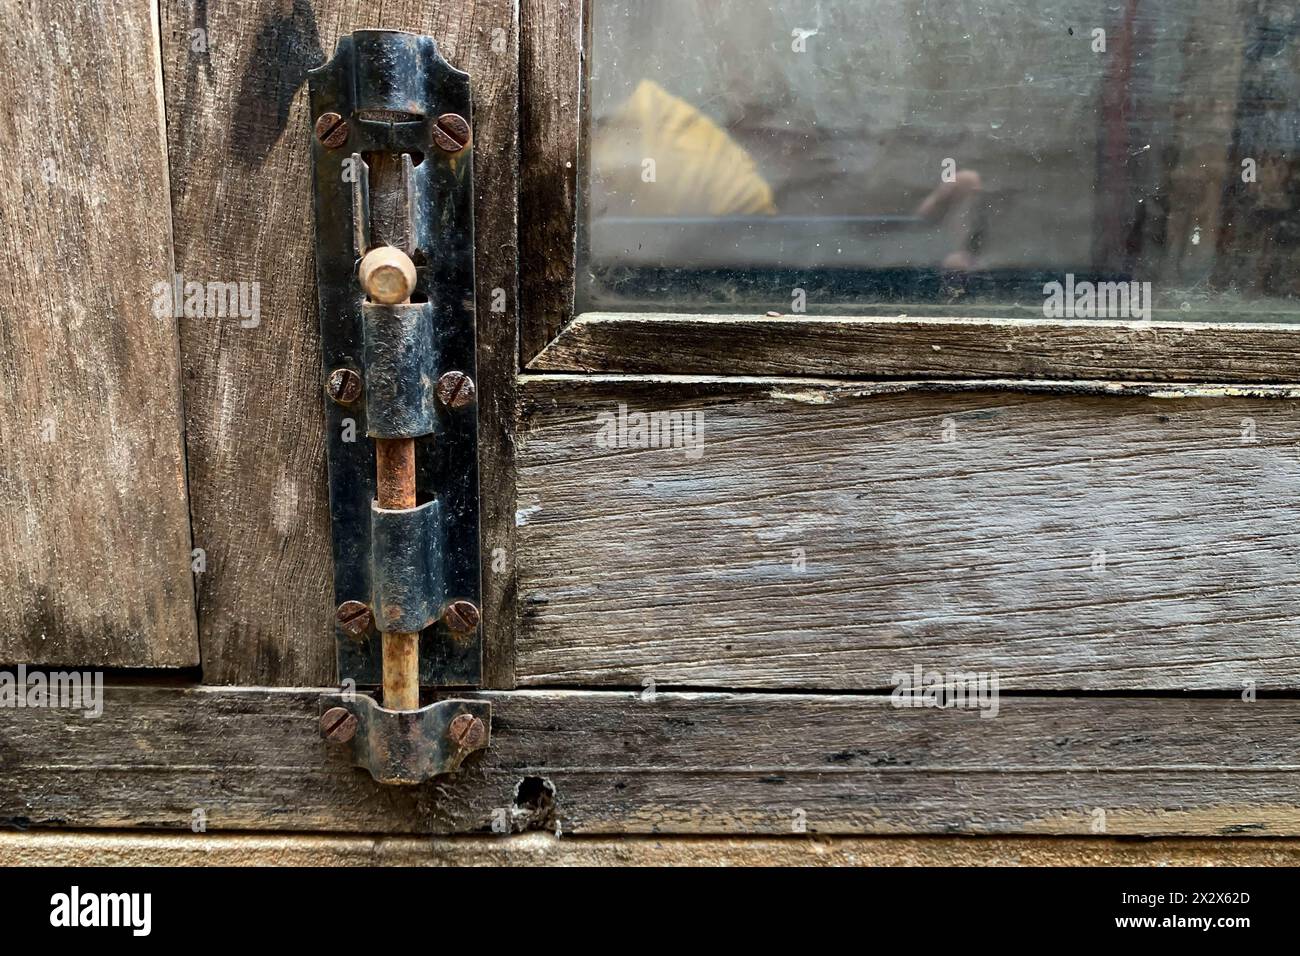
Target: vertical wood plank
{"x":238,"y":128}
{"x":95,"y":568}
{"x":550,"y":60}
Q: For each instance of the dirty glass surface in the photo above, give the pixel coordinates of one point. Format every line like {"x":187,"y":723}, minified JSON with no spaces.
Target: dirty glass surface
{"x":1061,"y":158}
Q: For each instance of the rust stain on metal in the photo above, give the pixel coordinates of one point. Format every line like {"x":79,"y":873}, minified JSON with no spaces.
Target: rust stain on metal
{"x":331,"y":130}
{"x":395,"y":488}
{"x":467,"y":732}
{"x":401,"y":670}
{"x":338,"y":725}
{"x":354,"y":618}
{"x":456,"y":389}
{"x":451,"y":132}
{"x":395,"y":472}
{"x":461,"y":617}
{"x":343,"y":386}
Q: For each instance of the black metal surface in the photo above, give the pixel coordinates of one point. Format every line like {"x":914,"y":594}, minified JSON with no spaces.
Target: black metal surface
{"x":401,"y":370}
{"x":390,"y":88}
{"x":405,"y":558}
{"x":409,"y":746}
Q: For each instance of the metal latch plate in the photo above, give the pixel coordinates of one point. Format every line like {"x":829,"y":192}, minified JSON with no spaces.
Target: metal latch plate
{"x":383,"y":97}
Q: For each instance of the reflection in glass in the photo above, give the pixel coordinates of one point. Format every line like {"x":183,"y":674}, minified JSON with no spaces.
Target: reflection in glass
{"x":947,"y":156}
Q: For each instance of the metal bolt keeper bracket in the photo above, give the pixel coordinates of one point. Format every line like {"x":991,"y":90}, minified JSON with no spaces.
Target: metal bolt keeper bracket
{"x":407,"y":746}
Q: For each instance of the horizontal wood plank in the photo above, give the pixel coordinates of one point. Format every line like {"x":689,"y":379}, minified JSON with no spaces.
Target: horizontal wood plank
{"x":118,"y":848}
{"x":832,"y":535}
{"x":95,"y":567}
{"x":893,"y":346}
{"x":618,"y":762}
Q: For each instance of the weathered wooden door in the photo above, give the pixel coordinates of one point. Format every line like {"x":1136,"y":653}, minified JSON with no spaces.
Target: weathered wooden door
{"x":828,"y":364}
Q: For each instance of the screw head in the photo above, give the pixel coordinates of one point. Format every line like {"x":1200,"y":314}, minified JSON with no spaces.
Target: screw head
{"x":451,"y":132}
{"x":338,"y":724}
{"x":344,"y":386}
{"x":461,"y":616}
{"x":467,"y":732}
{"x":354,"y":618}
{"x":331,"y":130}
{"x":456,"y":389}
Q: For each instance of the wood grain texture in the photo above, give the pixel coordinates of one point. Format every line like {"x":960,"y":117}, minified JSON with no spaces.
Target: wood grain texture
{"x":107,"y":848}
{"x":239,"y":134}
{"x":832,"y":535}
{"x":550,"y":67}
{"x":617,"y":762}
{"x":96,"y":564}
{"x":923,"y":347}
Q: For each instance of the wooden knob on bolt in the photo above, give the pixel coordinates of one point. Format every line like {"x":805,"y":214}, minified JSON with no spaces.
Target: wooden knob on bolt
{"x":388,"y":275}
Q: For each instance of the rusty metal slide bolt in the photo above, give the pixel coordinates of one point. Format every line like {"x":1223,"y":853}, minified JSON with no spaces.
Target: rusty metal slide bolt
{"x":391,"y":143}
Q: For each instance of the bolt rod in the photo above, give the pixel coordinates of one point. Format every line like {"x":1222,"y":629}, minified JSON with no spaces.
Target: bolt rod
{"x":381,"y":268}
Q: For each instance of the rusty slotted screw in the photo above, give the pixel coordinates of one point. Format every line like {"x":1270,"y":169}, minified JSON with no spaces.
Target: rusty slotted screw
{"x":451,"y":132}
{"x":456,"y":389}
{"x":344,"y":386}
{"x":461,"y":616}
{"x":331,"y":130}
{"x":466,"y":732}
{"x":354,"y":618}
{"x":338,"y":724}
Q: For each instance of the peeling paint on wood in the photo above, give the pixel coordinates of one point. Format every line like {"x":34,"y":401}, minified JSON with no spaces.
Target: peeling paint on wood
{"x":905,"y":346}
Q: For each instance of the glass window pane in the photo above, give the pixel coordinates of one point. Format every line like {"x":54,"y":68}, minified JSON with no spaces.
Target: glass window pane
{"x":944,"y":157}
